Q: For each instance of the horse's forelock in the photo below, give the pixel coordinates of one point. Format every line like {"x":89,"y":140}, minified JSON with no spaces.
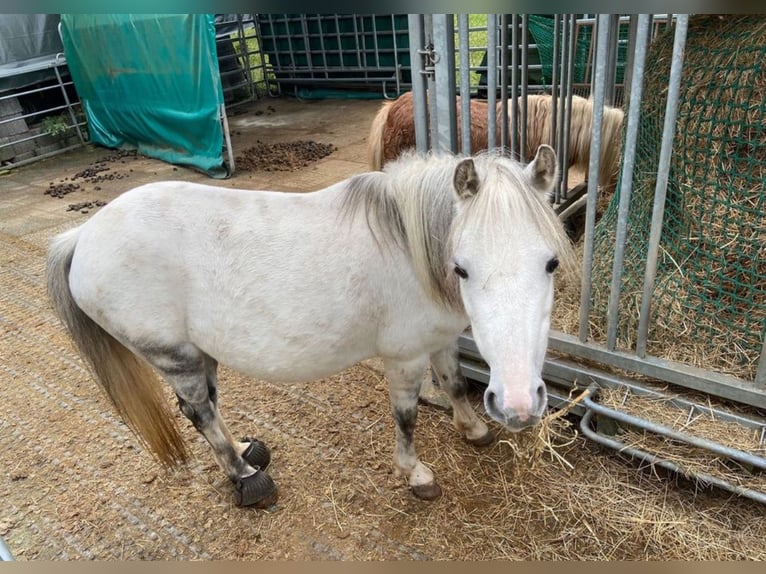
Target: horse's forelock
{"x":506,"y":197}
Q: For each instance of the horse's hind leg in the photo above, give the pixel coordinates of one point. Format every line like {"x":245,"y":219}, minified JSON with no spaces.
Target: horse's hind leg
{"x":404,"y":380}
{"x":192,"y":375}
{"x":445,"y":366}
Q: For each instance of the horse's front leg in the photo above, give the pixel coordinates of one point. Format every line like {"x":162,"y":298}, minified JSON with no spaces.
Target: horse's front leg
{"x":445,"y":366}
{"x":404,"y":380}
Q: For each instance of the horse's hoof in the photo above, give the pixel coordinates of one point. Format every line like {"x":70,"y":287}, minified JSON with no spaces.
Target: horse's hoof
{"x":256,"y":490}
{"x":257,"y":454}
{"x":485,"y":440}
{"x":430,"y":491}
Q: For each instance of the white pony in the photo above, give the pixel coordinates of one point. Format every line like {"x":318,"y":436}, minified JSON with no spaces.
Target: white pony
{"x":292,"y":287}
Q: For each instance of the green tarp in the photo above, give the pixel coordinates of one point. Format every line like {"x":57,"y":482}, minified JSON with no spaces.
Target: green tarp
{"x":149,"y":82}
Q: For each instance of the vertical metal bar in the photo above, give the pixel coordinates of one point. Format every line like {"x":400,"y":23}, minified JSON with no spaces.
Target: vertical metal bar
{"x":524,"y":85}
{"x":359,"y":45}
{"x":626,"y":187}
{"x":568,"y":109}
{"x":433,"y":118}
{"x":245,"y":53}
{"x":376,"y":48}
{"x":611,"y":64}
{"x":397,"y":74}
{"x":444,"y":46}
{"x":465,"y":81}
{"x":564,"y":102}
{"x":340,"y":42}
{"x":491,"y":80}
{"x":554,"y":98}
{"x":514,"y":147}
{"x":415,"y":25}
{"x":595,"y":152}
{"x":505,"y":138}
{"x":322,"y":47}
{"x":663,"y":169}
{"x":760,"y":374}
{"x":227,"y":137}
{"x":72,"y":117}
{"x":628,"y":79}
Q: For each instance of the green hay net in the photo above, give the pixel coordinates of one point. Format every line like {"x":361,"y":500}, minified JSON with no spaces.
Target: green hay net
{"x":709,"y":305}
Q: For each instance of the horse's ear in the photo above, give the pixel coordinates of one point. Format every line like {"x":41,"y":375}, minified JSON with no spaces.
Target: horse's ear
{"x":466,"y":179}
{"x":543,"y":170}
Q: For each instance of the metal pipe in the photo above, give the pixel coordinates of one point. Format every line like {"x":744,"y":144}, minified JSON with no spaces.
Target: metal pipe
{"x":656,"y":460}
{"x":554,"y":99}
{"x":465,"y":84}
{"x":626,"y":187}
{"x":699,"y":442}
{"x":760,"y":374}
{"x":515,"y":128}
{"x":227,"y":137}
{"x":444,"y":68}
{"x":505,"y":138}
{"x":524,"y":85}
{"x":663,"y":169}
{"x":491,"y":80}
{"x":595,"y":153}
{"x":568,"y":109}
{"x":563,"y":103}
{"x":5,"y":552}
{"x":415,"y":22}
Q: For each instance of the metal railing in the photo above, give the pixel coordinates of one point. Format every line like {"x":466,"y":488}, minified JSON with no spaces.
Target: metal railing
{"x":433,"y":68}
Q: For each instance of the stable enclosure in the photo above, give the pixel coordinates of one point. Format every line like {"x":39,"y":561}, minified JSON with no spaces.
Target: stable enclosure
{"x":673,"y":280}
{"x":653,"y":447}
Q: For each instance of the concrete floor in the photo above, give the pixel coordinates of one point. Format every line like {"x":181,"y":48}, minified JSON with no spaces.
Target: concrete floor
{"x":27,"y":213}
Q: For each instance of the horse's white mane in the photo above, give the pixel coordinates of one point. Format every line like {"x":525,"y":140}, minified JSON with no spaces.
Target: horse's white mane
{"x":411,"y":204}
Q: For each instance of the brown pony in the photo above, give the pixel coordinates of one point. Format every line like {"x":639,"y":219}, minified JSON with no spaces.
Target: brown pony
{"x":393,"y":131}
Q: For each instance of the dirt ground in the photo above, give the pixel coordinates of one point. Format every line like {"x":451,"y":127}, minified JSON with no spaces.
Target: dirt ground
{"x":75,"y":484}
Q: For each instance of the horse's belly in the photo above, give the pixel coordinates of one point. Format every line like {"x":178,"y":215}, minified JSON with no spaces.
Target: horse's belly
{"x":296,"y":357}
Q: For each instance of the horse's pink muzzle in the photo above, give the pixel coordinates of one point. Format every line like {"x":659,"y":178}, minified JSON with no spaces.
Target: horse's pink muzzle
{"x":516,"y":408}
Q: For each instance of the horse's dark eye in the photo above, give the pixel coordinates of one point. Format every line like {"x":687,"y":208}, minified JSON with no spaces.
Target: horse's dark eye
{"x":462,"y":273}
{"x":550,"y":267}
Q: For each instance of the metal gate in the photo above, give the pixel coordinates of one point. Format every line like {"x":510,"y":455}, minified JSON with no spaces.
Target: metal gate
{"x":615,"y":68}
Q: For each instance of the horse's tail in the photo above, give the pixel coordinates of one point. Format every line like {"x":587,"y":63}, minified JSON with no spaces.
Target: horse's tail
{"x":128,"y":381}
{"x":375,"y":138}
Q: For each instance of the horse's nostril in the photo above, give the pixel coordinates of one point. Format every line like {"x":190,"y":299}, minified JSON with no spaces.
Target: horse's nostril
{"x":492,"y":401}
{"x":541,"y":393}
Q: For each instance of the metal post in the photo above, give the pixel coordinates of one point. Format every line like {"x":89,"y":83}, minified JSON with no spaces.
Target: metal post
{"x":626,"y":187}
{"x":663,"y":169}
{"x":564,"y":103}
{"x":760,"y":374}
{"x":491,"y":80}
{"x":524,"y":85}
{"x":72,"y":117}
{"x":554,"y":99}
{"x":611,"y":59}
{"x":444,"y":64}
{"x":515,"y":128}
{"x":595,"y":153}
{"x":465,"y":84}
{"x":415,"y":22}
{"x":568,"y":110}
{"x":505,"y":138}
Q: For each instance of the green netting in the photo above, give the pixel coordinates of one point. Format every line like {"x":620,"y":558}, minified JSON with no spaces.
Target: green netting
{"x":710,"y":295}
